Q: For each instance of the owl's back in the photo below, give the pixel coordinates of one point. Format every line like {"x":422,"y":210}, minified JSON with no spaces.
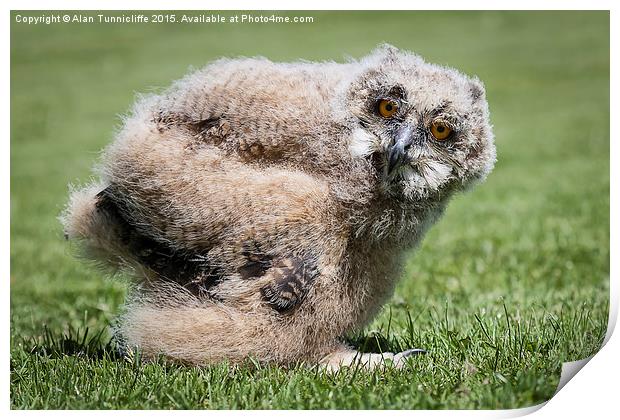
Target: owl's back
{"x":262,"y":111}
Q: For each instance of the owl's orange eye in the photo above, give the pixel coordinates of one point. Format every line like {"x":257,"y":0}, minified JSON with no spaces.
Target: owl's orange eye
{"x":387,"y":108}
{"x":440,"y":130}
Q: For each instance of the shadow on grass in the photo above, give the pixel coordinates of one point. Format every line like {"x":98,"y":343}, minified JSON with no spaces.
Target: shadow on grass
{"x":382,"y":341}
{"x":371,"y":343}
{"x":92,"y":345}
{"x":74,"y":343}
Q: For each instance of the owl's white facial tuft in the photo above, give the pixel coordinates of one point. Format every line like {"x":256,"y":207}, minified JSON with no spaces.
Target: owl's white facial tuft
{"x":424,"y":178}
{"x":436,"y":174}
{"x":362,"y":143}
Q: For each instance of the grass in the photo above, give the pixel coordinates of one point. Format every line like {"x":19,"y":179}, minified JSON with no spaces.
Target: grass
{"x":512,"y":282}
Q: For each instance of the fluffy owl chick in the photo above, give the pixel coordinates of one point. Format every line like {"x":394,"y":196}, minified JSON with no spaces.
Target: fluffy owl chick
{"x":263,"y":208}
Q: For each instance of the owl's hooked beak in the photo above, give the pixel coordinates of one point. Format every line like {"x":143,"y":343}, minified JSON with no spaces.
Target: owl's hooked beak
{"x":397,"y":152}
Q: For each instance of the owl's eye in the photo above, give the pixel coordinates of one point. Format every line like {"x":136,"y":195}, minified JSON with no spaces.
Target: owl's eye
{"x":440,"y":130}
{"x":387,"y":108}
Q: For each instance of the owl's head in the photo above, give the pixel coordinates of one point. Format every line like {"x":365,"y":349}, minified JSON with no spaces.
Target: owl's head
{"x":424,"y":128}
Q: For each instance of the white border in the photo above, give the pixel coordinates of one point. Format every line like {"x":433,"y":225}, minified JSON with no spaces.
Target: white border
{"x":593,"y":392}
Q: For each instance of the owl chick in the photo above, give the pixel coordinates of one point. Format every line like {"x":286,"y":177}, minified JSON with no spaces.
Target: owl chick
{"x":263,"y":209}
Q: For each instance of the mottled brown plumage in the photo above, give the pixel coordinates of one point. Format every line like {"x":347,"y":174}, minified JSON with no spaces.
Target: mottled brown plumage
{"x":263,"y":208}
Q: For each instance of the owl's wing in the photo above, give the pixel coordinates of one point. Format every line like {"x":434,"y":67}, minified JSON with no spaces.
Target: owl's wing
{"x":137,"y":245}
{"x":119,"y":238}
{"x":288,"y":279}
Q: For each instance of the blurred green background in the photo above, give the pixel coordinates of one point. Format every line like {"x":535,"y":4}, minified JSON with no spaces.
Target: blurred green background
{"x":513,"y":281}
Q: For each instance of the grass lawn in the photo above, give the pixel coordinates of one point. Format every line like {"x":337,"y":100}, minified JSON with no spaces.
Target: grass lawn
{"x":512,"y":282}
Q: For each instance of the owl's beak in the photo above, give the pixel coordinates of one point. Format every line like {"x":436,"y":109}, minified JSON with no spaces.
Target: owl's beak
{"x":397,"y":152}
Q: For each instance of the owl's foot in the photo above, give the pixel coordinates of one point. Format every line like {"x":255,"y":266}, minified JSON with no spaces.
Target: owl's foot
{"x":348,"y":357}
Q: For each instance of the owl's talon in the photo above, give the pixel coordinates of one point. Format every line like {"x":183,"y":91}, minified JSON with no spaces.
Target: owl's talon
{"x":400,"y":358}
{"x":410,"y":352}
